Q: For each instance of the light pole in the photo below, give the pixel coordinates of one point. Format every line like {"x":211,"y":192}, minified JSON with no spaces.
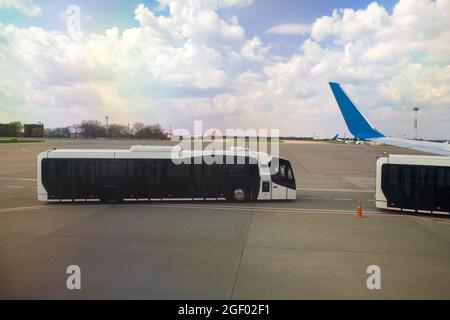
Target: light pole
{"x":106,"y":124}
{"x":415,"y":109}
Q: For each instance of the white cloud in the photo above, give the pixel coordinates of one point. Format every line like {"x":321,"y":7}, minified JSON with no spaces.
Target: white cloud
{"x":290,"y":29}
{"x":193,"y":63}
{"x":24,"y":6}
{"x":254,"y":49}
{"x":204,"y":4}
{"x":347,"y":24}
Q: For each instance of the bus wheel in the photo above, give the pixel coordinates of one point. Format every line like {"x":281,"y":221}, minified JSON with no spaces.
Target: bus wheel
{"x":239,"y":194}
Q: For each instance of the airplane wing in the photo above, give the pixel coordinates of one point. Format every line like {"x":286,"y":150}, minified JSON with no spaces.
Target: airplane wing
{"x":361,"y":128}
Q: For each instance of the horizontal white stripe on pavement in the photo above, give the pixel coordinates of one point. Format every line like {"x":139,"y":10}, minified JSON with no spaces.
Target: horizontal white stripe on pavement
{"x":18,"y":179}
{"x":335,"y":190}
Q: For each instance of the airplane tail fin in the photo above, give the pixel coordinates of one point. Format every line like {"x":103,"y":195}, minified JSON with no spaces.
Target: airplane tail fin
{"x":358,"y":125}
{"x":335,"y":137}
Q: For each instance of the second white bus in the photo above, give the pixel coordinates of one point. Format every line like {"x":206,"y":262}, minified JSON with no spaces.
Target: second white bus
{"x":412,"y":183}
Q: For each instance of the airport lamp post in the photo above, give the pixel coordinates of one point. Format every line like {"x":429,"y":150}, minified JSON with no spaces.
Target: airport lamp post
{"x":106,"y":125}
{"x":415,"y":109}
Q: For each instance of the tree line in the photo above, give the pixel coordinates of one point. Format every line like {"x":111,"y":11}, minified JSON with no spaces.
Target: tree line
{"x":18,"y":129}
{"x":91,"y":129}
{"x":12,"y":129}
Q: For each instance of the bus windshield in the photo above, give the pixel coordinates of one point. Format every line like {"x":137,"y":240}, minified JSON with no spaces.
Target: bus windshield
{"x":282,"y":173}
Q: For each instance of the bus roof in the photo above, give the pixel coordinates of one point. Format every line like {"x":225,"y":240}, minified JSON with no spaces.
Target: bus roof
{"x":153,"y":152}
{"x":425,"y":160}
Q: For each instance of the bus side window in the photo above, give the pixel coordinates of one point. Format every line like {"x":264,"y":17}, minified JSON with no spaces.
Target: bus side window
{"x":253,"y":170}
{"x":178,"y":170}
{"x":208,"y":172}
{"x":131,"y":168}
{"x":237,"y":169}
{"x":65,"y":176}
{"x":440,"y":178}
{"x":103,"y":168}
{"x":52,"y":173}
{"x":90,"y":168}
{"x":158,"y":171}
{"x":408,"y":180}
{"x":394,"y":174}
{"x":197,"y":173}
{"x":118,"y":168}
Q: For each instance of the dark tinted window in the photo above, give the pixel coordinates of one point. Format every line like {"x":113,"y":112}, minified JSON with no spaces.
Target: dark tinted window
{"x":118,"y":168}
{"x":408,"y":180}
{"x":157,"y":170}
{"x":440,"y":177}
{"x":178,"y":170}
{"x":50,"y":177}
{"x":197,"y":173}
{"x":103,"y":168}
{"x":237,"y":168}
{"x":52,"y":169}
{"x":283,"y":173}
{"x":394,"y":174}
{"x":131,"y":168}
{"x":208,"y":171}
{"x":290,"y":175}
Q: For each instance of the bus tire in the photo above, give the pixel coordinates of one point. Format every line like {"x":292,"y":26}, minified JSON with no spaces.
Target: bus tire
{"x":239,"y":194}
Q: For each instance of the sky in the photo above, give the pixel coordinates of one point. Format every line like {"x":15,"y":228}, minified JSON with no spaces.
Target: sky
{"x":229,"y":63}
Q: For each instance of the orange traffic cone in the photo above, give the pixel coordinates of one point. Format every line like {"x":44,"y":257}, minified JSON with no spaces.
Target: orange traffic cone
{"x":359,"y":213}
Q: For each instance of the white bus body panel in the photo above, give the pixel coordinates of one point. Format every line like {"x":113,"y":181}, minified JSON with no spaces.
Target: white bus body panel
{"x":278,"y":192}
{"x":264,"y":174}
{"x":42,"y":194}
{"x":82,"y":154}
{"x":380,"y":199}
{"x":291,"y":194}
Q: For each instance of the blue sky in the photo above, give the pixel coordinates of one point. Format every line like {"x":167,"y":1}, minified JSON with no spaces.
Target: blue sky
{"x":229,"y":63}
{"x":265,"y":14}
{"x":256,"y":19}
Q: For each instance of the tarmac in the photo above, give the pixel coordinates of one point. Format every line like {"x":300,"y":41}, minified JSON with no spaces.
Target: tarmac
{"x":310,"y":248}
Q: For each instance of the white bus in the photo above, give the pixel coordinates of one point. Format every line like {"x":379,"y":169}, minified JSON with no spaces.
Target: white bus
{"x":147,"y":173}
{"x":413,"y":183}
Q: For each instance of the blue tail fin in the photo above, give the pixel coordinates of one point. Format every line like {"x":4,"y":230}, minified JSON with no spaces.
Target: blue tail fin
{"x":335,"y":137}
{"x":358,"y":125}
